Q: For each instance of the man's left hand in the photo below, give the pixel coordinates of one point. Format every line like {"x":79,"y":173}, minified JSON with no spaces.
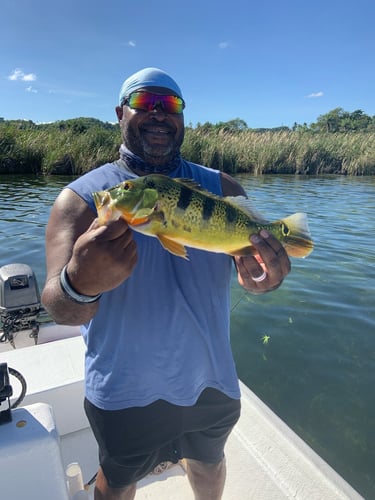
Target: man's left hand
{"x":265,"y":271}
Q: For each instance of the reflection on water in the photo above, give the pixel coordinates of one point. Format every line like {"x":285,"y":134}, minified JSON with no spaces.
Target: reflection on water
{"x":318,"y":368}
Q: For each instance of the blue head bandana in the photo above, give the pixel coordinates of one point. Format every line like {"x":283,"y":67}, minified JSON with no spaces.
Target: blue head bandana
{"x":148,"y":77}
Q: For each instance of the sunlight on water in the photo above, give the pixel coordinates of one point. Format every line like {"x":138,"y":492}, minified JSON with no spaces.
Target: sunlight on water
{"x":318,"y":369}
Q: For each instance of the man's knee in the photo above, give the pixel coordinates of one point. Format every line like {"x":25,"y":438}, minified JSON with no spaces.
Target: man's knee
{"x":204,"y":467}
{"x":207,"y":480}
{"x":203,"y":472}
{"x":104,"y":491}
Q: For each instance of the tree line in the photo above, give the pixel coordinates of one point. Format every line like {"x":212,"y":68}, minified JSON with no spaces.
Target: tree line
{"x":339,"y":142}
{"x":336,"y":120}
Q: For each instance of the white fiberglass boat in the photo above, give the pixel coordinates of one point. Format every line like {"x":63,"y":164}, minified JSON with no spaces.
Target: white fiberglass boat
{"x":49,"y":453}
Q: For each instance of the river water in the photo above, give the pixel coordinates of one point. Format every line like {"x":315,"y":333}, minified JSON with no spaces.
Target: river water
{"x":317,"y":370}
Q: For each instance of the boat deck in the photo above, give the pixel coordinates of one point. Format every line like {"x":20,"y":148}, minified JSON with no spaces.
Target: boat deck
{"x":266,"y":460}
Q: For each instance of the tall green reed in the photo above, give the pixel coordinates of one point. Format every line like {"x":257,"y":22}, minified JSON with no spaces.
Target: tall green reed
{"x":65,"y":150}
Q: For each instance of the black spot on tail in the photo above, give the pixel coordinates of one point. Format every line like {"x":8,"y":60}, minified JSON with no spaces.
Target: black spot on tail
{"x":185,"y":198}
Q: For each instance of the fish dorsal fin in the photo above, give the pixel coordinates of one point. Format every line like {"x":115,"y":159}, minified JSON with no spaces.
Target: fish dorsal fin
{"x":245,"y":205}
{"x":192,"y":184}
{"x":240,"y":202}
{"x":188,"y":182}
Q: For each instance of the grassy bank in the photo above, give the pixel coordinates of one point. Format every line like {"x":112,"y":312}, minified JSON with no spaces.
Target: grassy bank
{"x":284,"y":152}
{"x":71,"y":149}
{"x":58,"y":151}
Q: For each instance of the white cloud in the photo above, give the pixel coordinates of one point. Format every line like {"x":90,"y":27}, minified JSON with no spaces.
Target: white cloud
{"x":19,"y":75}
{"x":31,"y":89}
{"x":129,"y":43}
{"x":223,"y":45}
{"x":16,"y":75}
{"x":30,"y":77}
{"x":315,"y":94}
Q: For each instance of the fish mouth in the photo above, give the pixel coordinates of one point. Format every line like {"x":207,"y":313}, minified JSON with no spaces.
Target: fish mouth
{"x":101,"y":198}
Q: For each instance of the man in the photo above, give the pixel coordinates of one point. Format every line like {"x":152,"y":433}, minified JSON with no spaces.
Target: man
{"x":160,"y":378}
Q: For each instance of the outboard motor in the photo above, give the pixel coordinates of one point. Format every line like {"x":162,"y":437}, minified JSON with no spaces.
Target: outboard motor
{"x":19,"y":302}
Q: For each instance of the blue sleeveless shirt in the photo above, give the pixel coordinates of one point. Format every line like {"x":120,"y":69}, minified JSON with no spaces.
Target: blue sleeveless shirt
{"x":164,"y":332}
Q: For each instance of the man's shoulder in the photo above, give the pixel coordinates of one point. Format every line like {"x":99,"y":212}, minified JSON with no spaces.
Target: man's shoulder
{"x":199,"y":167}
{"x":230,"y":186}
{"x":98,"y":179}
{"x":105,"y":176}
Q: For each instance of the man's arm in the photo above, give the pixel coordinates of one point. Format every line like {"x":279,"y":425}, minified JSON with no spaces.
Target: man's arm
{"x":98,"y":258}
{"x":271,"y":257}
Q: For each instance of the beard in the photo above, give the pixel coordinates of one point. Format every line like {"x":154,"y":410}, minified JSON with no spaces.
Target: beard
{"x":154,"y":143}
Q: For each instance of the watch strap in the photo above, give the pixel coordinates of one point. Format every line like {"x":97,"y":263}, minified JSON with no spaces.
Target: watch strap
{"x":72,"y":294}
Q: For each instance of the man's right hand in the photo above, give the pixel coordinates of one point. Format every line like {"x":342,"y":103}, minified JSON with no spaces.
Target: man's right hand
{"x":103,"y":257}
{"x":98,"y":258}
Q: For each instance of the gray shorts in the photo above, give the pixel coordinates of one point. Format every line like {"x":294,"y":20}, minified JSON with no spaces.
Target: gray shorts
{"x":132,"y":442}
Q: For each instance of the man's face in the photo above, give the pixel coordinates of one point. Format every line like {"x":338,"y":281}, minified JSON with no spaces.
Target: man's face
{"x":155,"y":136}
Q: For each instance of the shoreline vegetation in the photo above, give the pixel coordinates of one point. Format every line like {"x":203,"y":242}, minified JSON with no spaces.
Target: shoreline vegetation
{"x":338,"y":143}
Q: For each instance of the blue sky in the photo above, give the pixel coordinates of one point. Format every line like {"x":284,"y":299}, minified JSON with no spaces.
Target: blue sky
{"x":268,"y":62}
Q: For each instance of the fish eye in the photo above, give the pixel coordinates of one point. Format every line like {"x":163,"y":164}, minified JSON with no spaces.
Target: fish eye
{"x":127,"y":186}
{"x":284,"y":229}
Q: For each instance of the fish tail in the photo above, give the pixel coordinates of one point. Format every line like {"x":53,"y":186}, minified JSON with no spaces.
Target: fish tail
{"x":296,"y":235}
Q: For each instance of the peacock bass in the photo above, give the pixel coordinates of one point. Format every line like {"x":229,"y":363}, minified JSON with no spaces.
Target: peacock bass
{"x":181,"y":214}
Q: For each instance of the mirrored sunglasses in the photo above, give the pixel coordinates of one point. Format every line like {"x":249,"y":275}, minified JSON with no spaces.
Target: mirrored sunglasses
{"x":147,"y":101}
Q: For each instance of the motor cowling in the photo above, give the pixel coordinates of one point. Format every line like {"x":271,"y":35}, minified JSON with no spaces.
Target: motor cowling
{"x":19,"y":300}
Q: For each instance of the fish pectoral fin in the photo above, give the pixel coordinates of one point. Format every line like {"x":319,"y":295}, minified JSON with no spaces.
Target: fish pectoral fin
{"x":144,"y":212}
{"x":173,"y":246}
{"x":141,"y":216}
{"x":137,"y":220}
